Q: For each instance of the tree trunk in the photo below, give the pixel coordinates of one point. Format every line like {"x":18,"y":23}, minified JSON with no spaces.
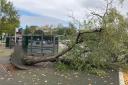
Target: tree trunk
{"x":31,"y":60}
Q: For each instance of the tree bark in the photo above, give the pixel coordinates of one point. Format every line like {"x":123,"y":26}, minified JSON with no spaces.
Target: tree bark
{"x":30,"y":60}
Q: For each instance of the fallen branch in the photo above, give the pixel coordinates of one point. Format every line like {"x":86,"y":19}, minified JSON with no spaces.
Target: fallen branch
{"x":19,"y":59}
{"x":31,"y":60}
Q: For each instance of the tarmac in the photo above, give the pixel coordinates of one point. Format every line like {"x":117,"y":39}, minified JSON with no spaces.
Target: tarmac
{"x":52,"y":77}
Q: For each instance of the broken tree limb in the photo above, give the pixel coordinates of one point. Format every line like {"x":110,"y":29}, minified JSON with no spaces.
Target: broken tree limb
{"x":30,"y":60}
{"x":20,"y":59}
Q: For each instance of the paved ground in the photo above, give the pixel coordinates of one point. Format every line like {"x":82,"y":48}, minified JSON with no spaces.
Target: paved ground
{"x":4,"y":60}
{"x":52,"y":77}
{"x":4,"y":55}
{"x":49,"y":76}
{"x":4,"y":52}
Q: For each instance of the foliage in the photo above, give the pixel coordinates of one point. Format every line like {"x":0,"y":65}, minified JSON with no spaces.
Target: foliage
{"x":65,"y":31}
{"x":61,"y":66}
{"x":30,"y":29}
{"x":9,"y":18}
{"x":106,"y":49}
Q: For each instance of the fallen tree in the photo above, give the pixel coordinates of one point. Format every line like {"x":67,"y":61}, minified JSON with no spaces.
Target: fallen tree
{"x":19,"y":59}
{"x":106,"y":44}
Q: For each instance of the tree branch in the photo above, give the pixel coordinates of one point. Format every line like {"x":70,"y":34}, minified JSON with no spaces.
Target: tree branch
{"x":95,"y":14}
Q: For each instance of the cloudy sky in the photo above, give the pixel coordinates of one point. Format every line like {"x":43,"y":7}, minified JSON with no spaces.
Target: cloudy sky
{"x":43,"y":12}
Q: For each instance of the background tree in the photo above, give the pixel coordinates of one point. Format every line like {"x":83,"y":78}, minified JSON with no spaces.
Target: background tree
{"x":9,"y":18}
{"x":30,"y":29}
{"x":60,"y":30}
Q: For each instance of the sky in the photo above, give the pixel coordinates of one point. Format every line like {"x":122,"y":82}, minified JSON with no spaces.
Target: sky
{"x":53,"y":12}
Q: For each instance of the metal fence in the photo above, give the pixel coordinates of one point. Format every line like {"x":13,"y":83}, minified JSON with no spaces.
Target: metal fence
{"x":10,"y":41}
{"x":40,"y":44}
{"x":35,"y":44}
